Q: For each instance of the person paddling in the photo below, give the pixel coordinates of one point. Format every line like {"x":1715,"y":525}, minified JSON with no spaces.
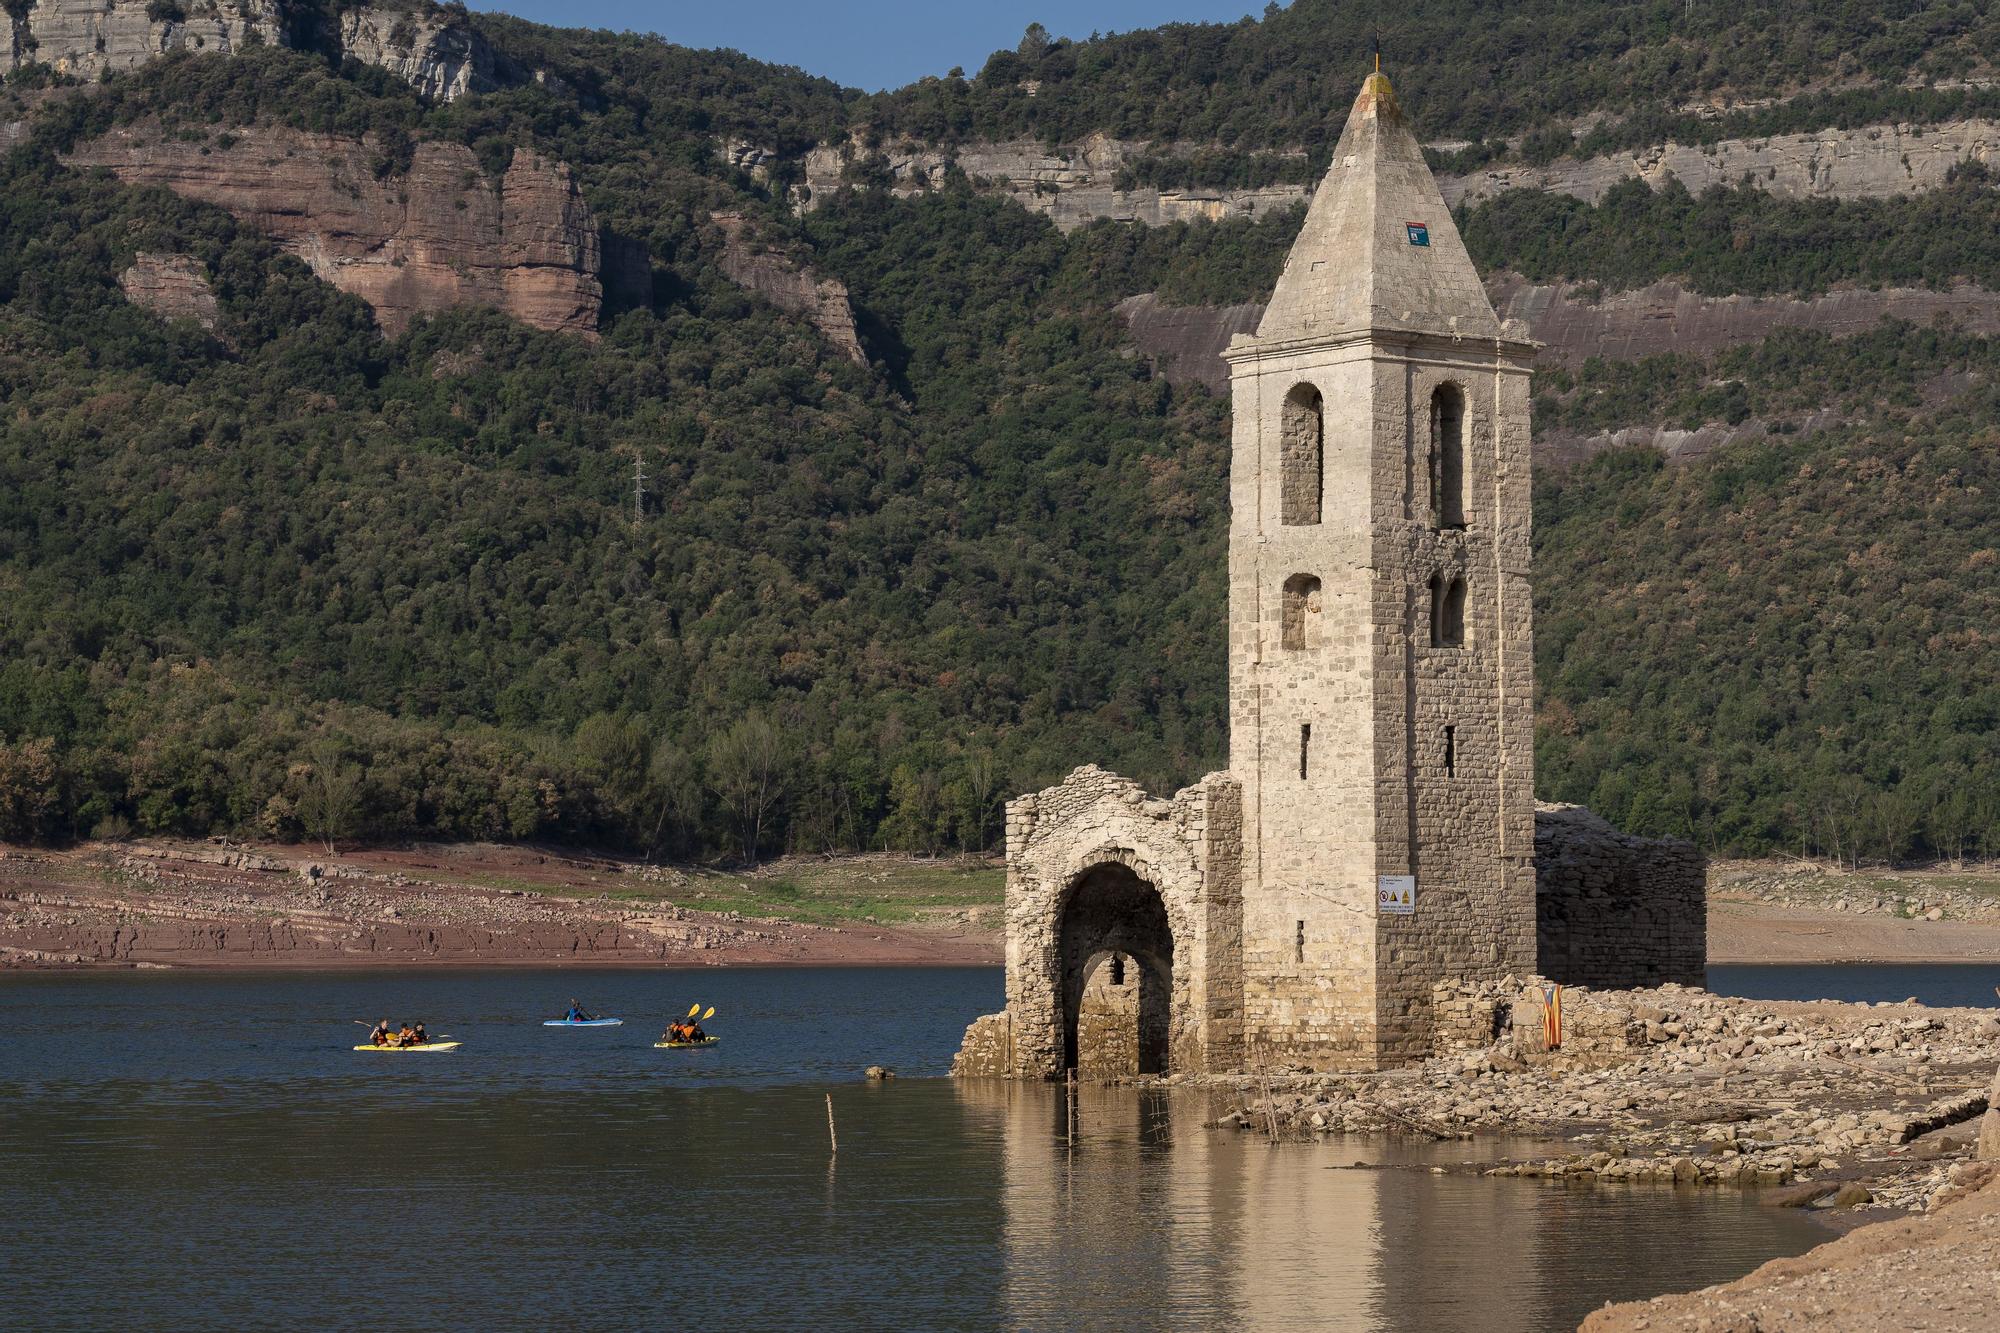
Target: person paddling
{"x":382,"y":1034}
{"x":576,"y":1014}
{"x":419,"y":1037}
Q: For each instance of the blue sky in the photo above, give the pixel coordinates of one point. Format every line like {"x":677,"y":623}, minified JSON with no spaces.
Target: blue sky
{"x":870,"y":44}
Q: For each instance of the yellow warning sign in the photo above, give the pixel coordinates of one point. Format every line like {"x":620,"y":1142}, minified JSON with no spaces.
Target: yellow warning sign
{"x":1396,"y":895}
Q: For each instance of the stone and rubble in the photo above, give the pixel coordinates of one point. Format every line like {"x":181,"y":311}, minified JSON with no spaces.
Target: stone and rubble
{"x":1867,"y":1106}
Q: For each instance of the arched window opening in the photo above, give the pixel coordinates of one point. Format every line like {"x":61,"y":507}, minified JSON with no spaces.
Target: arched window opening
{"x":1300,"y":613}
{"x":1448,"y":457}
{"x":1300,"y":450}
{"x":1118,"y":969}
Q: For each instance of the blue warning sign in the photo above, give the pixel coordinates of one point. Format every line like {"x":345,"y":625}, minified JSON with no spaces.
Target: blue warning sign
{"x":1420,"y":232}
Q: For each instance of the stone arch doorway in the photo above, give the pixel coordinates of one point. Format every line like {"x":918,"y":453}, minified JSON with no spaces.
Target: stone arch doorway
{"x":1115,"y":955}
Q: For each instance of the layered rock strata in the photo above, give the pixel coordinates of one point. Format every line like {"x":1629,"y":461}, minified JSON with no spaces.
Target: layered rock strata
{"x":172,"y":287}
{"x":441,"y":59}
{"x":1076,"y":184}
{"x":439,"y":56}
{"x":1574,"y":322}
{"x":87,"y":38}
{"x":438,"y":236}
{"x":792,"y":286}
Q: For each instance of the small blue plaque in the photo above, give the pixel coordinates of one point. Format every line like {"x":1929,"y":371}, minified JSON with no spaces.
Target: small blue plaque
{"x":1420,"y":232}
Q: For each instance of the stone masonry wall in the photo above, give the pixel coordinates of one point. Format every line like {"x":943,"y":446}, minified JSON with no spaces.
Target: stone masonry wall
{"x":1615,"y":911}
{"x":1096,"y":839}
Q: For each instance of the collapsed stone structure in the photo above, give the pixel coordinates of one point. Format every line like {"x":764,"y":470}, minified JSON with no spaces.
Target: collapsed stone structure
{"x":1376,"y":831}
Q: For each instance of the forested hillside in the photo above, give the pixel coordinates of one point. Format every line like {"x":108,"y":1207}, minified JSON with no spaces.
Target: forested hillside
{"x":289,"y":575}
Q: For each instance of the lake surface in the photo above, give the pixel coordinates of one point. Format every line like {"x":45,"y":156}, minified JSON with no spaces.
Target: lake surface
{"x":204,"y":1150}
{"x":1943,"y":985}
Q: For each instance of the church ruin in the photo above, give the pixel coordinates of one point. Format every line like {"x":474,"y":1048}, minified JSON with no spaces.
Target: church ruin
{"x":1376,"y":831}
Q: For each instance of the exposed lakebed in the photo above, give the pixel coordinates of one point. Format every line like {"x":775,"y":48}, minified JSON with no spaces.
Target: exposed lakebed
{"x":205,"y":1150}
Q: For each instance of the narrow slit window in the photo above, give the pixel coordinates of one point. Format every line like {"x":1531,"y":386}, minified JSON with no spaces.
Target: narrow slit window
{"x":1299,"y":944}
{"x":1450,"y":750}
{"x":1117,"y":969}
{"x":1305,"y":747}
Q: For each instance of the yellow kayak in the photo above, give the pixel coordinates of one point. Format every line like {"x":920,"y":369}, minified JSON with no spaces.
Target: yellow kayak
{"x":427,"y":1046}
{"x":683,"y":1045}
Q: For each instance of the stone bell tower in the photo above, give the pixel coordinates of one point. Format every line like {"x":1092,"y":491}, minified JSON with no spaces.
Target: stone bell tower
{"x":1380,"y":668}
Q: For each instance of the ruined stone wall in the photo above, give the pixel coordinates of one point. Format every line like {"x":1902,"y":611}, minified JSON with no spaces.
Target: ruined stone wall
{"x":1510,"y":1013}
{"x":1095,"y":866}
{"x":1615,"y":911}
{"x":1108,"y":1039}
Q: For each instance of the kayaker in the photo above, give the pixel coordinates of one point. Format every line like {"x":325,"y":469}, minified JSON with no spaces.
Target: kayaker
{"x":676,"y":1031}
{"x":406,"y":1036}
{"x":382,"y":1034}
{"x":694,"y":1033}
{"x":421,"y":1037}
{"x":576,"y":1014}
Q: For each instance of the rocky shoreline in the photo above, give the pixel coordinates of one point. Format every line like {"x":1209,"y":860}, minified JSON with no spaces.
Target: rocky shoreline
{"x":1870,"y":1107}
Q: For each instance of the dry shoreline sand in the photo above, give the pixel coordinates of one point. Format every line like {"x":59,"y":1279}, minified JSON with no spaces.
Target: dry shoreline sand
{"x":198,"y":905}
{"x":192,"y":904}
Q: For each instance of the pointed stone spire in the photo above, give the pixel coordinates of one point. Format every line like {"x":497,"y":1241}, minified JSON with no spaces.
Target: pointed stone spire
{"x":1378,"y":249}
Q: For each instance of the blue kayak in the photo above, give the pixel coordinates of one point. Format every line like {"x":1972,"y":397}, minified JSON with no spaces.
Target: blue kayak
{"x":582,"y":1022}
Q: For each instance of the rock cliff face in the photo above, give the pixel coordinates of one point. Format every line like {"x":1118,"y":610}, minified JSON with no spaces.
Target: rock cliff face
{"x":790,"y":285}
{"x":440,"y":236}
{"x":172,"y":287}
{"x":1666,"y":317}
{"x":1875,"y":161}
{"x":85,"y":38}
{"x":1074,"y":184}
{"x":1186,"y":342}
{"x":440,"y":59}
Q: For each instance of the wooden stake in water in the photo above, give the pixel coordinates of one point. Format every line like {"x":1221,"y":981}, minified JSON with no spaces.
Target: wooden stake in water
{"x":831,"y":1137}
{"x":1069,"y":1111}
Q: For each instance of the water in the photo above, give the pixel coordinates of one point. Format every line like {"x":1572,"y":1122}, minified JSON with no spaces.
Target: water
{"x":206,"y":1151}
{"x":1944,"y":985}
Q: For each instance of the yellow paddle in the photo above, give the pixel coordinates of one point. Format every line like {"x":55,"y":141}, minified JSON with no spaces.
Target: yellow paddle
{"x":694,"y":1009}
{"x":705,"y":1017}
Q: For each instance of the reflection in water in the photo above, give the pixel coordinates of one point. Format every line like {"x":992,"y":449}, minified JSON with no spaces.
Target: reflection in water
{"x":587,"y":1181}
{"x":1151,"y":1218}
